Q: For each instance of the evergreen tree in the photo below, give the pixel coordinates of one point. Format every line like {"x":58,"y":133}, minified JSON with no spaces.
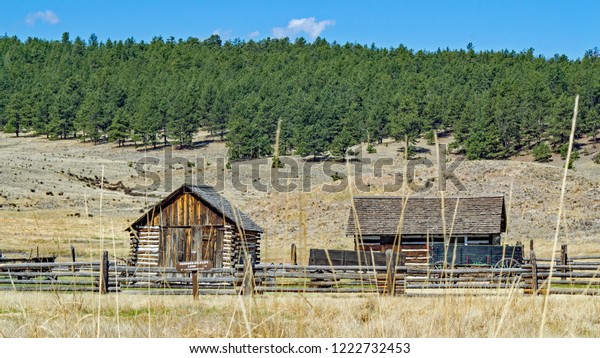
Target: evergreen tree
{"x":559,"y":122}
{"x":542,"y":153}
{"x":184,"y":117}
{"x":119,"y":130}
{"x":17,"y":115}
{"x":218,"y":116}
{"x":405,"y":124}
{"x":90,"y":118}
{"x":64,"y":109}
{"x":329,"y":96}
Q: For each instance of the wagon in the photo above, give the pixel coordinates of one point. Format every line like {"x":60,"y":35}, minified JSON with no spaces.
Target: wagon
{"x":498,"y":256}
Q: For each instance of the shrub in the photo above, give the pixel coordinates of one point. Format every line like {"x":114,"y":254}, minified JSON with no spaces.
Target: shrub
{"x":336,"y":177}
{"x":596,"y":158}
{"x":574,"y":157}
{"x":542,"y":153}
{"x":454,"y":147}
{"x":563,"y":149}
{"x":276,"y":163}
{"x":430,"y":137}
{"x":371,"y":149}
{"x":575,"y":154}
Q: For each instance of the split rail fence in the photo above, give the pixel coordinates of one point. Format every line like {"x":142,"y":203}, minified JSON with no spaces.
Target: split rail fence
{"x":575,"y":275}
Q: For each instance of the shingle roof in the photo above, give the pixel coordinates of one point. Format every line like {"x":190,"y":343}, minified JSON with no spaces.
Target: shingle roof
{"x":223,"y":206}
{"x":208,"y":195}
{"x":381,"y":215}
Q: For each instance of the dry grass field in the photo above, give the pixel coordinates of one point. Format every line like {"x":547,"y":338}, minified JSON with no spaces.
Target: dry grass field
{"x":52,"y":196}
{"x":501,"y":315}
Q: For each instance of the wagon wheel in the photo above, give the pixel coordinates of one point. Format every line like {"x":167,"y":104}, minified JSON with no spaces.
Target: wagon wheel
{"x":439,"y":266}
{"x":507,"y":263}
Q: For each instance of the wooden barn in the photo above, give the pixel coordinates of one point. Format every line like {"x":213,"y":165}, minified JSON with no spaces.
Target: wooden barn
{"x":194,"y":223}
{"x":375,"y":223}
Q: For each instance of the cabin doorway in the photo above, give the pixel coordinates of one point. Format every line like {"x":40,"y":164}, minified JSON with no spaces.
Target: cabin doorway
{"x":191,"y":243}
{"x":176,"y":245}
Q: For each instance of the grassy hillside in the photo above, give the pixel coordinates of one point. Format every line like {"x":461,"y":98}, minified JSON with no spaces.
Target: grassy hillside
{"x":52,"y":195}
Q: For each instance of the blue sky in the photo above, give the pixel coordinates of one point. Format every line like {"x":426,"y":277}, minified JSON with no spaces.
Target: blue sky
{"x":550,"y":27}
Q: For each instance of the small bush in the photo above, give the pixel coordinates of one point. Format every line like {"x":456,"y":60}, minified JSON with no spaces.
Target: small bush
{"x":276,"y":163}
{"x":575,"y":154}
{"x":336,"y":177}
{"x":596,"y":158}
{"x":454,"y":147}
{"x":563,"y":149}
{"x":542,"y":153}
{"x":371,"y":149}
{"x":574,"y":157}
{"x":430,"y":137}
{"x":410,"y":153}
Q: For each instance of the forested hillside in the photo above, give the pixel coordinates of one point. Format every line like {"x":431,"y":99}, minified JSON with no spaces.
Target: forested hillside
{"x":327,"y":96}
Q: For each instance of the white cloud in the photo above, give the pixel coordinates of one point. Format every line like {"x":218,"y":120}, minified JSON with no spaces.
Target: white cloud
{"x":308,"y":25}
{"x":253,"y":34}
{"x":48,"y":16}
{"x":222,"y":33}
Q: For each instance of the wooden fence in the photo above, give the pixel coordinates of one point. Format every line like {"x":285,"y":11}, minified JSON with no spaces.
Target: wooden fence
{"x":576,"y":275}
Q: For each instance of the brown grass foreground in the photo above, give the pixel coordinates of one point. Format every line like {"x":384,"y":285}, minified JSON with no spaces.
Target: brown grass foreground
{"x":369,"y":316}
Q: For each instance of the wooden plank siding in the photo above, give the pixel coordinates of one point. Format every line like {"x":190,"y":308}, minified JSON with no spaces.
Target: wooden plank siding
{"x":185,"y":227}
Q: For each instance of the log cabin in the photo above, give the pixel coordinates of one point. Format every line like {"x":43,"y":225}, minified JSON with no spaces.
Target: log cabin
{"x":194,"y":223}
{"x":379,"y":223}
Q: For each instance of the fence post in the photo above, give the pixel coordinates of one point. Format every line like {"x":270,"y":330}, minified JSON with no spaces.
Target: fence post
{"x":72,"y":258}
{"x":534,"y":273}
{"x":104,"y":273}
{"x":293,"y":254}
{"x":563,"y":259}
{"x":195,"y":285}
{"x":248,"y":279}
{"x":530,"y":246}
{"x":390,"y":277}
{"x":403,"y":275}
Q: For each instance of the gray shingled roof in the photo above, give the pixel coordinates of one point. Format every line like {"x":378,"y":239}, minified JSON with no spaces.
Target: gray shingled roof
{"x":222,"y":205}
{"x":210,"y":197}
{"x":381,"y":215}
